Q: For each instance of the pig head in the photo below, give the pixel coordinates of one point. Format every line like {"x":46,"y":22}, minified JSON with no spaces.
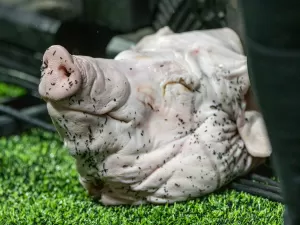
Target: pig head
{"x":163,"y":122}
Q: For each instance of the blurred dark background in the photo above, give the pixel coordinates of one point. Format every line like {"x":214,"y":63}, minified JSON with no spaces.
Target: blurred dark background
{"x":98,"y":28}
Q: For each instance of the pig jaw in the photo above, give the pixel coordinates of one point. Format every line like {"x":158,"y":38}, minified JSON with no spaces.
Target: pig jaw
{"x":90,"y":139}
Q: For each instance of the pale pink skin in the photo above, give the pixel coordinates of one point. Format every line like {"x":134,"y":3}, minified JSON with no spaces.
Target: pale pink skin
{"x":163,"y":122}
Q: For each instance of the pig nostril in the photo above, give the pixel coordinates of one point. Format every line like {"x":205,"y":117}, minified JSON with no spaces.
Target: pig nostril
{"x":44,"y":65}
{"x":65,"y":71}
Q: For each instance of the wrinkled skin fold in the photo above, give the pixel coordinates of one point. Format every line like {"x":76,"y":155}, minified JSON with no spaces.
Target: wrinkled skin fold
{"x":168,"y":120}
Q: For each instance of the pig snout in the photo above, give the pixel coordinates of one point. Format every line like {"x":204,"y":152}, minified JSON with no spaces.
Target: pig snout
{"x":60,"y":76}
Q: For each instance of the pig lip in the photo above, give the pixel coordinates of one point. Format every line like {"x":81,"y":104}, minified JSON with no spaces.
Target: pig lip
{"x":52,"y":105}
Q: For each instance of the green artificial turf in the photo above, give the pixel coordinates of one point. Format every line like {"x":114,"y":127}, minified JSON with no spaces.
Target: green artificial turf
{"x":39,"y":185}
{"x":10,"y":90}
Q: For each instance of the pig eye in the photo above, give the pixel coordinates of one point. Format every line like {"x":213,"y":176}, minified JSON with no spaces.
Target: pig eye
{"x":62,"y":68}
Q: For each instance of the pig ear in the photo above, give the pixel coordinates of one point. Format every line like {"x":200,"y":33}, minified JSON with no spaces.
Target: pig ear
{"x":166,"y":30}
{"x":148,"y":40}
{"x":254,"y":135}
